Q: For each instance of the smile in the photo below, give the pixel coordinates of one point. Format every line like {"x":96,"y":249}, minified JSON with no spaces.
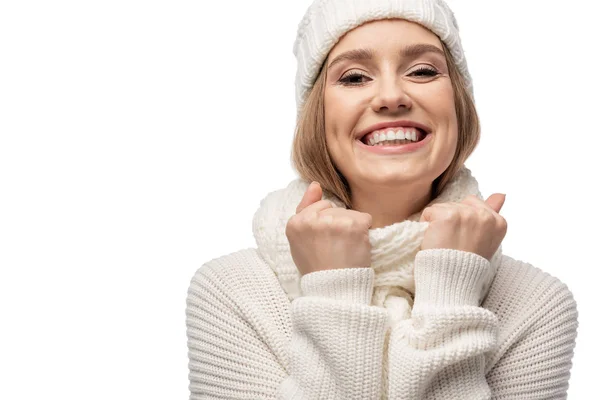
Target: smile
{"x":394,"y":141}
{"x":393,"y":136}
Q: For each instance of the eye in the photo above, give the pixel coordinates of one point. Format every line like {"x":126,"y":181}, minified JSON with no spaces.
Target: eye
{"x":357,"y":78}
{"x":352,"y":79}
{"x":423,"y":71}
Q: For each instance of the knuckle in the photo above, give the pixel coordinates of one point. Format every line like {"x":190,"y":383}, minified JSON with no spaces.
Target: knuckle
{"x":502,"y":223}
{"x":311,"y":222}
{"x":427,"y":212}
{"x":486,"y":216}
{"x":324,"y":221}
{"x":334,"y":227}
{"x":302,"y":222}
{"x":343,"y":224}
{"x":468,"y":217}
{"x":455,"y":214}
{"x":326,"y":203}
{"x":292,"y":221}
{"x":291,"y":227}
{"x":347,"y":222}
{"x":355,"y":224}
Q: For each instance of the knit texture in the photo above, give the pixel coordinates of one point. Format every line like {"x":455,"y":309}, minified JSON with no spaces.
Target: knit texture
{"x":393,"y":248}
{"x":257,"y":331}
{"x":326,"y":21}
{"x":246,"y":340}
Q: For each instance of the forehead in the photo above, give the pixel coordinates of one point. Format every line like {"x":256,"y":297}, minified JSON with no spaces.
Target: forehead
{"x":385,"y":35}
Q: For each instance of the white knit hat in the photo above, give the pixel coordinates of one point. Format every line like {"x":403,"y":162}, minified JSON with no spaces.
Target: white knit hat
{"x":326,"y":21}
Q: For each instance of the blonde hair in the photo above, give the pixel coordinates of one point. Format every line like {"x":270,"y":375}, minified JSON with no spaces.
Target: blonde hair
{"x":311,"y":159}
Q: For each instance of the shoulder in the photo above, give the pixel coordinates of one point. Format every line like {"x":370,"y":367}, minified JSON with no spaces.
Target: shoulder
{"x":524,"y":296}
{"x":236,"y":272}
{"x":238,"y":263}
{"x":533,"y":308}
{"x":517,"y":279}
{"x":242,"y":282}
{"x":235,"y":296}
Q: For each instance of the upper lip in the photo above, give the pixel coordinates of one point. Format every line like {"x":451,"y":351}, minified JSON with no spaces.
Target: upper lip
{"x":393,"y":124}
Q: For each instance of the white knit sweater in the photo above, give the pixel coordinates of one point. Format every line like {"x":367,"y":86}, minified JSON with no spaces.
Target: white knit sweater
{"x":464,"y":336}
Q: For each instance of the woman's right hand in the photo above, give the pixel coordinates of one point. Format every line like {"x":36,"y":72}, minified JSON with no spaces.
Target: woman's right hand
{"x":323,"y":236}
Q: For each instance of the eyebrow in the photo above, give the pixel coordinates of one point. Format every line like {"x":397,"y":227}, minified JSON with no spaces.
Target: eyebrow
{"x":409,"y":51}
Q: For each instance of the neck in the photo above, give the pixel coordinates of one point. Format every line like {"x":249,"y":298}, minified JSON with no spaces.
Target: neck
{"x":391,"y":204}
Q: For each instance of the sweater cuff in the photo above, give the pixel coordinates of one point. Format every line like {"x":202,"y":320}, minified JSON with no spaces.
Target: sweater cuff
{"x":351,"y":285}
{"x":449,"y":277}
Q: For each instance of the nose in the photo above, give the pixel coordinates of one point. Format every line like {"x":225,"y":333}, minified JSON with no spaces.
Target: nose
{"x":390,"y":96}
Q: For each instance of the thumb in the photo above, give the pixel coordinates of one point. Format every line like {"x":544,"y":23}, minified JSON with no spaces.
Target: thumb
{"x":312,"y":195}
{"x":496,"y":201}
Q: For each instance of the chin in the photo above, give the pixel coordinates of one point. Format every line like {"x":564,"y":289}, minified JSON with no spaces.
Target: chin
{"x":395,"y":176}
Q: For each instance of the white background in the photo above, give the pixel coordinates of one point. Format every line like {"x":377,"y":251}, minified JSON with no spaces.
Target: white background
{"x":138,"y":138}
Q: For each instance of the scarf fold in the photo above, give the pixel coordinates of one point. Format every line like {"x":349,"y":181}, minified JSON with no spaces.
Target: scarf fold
{"x":393,"y":247}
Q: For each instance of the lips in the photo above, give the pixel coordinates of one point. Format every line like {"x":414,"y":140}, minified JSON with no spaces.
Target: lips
{"x":395,"y":149}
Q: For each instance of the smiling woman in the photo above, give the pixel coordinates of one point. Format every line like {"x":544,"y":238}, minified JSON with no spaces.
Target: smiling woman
{"x":431,"y":62}
{"x":379,"y":271}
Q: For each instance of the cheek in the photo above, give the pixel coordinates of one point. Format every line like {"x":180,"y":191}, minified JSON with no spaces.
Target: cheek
{"x":337,"y":125}
{"x":441,"y":106}
{"x":446,"y":102}
{"x":336,"y":120}
{"x":343,"y":104}
{"x":334,"y":106}
{"x":342,"y":115}
{"x":441,"y":98}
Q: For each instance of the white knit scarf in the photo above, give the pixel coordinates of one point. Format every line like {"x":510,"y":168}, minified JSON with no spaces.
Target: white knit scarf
{"x":394,"y":247}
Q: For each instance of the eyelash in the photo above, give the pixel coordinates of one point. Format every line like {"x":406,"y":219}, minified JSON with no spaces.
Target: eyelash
{"x":346,"y":79}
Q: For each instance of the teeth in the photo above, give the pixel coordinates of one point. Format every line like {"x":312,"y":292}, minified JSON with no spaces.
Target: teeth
{"x":391,"y":137}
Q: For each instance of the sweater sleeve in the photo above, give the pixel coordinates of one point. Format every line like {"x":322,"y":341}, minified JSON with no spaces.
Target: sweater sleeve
{"x":335,"y":350}
{"x":537,"y":366}
{"x":439,"y":353}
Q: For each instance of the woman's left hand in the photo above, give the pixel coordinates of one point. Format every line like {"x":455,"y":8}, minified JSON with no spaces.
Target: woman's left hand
{"x":471,"y":225}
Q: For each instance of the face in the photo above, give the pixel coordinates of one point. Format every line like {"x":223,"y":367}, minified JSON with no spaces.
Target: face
{"x":385,"y":87}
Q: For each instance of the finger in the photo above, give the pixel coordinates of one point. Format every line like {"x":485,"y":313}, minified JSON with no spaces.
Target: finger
{"x":312,"y":195}
{"x":364,"y":218}
{"x":475,"y":201}
{"x":426,"y":215}
{"x":436,"y":211}
{"x":496,"y":201}
{"x":317,"y":207}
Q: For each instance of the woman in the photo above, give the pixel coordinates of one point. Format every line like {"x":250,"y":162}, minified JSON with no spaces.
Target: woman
{"x":385,"y":277}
